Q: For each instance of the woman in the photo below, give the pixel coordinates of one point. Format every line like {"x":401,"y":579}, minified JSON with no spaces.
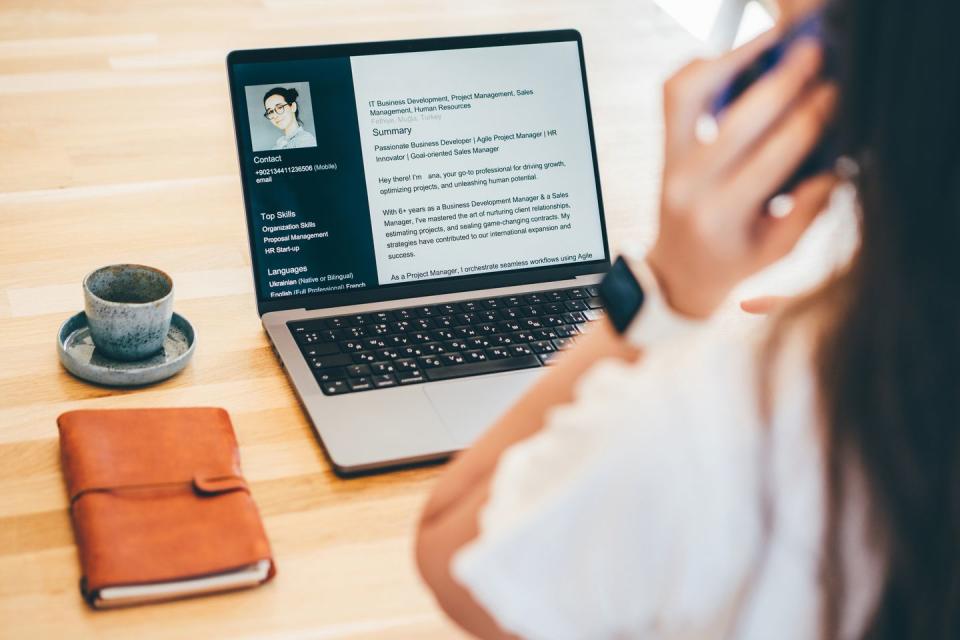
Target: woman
{"x":281,"y":108}
{"x":801,"y":483}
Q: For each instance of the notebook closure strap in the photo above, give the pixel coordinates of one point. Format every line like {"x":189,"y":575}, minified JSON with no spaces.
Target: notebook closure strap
{"x":201,"y":485}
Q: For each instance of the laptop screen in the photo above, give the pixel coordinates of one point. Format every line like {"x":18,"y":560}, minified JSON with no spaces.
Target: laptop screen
{"x":381,"y":170}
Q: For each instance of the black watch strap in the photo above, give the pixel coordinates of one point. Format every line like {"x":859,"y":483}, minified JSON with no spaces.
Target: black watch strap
{"x":622,"y":295}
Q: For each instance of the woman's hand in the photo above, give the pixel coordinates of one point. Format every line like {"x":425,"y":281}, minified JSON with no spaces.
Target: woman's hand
{"x":714,"y":226}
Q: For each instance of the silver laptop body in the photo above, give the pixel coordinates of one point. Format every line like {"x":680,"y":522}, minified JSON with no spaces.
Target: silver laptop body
{"x":363,"y":426}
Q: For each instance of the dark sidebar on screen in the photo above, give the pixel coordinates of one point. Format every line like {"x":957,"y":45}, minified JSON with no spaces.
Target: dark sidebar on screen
{"x":310,"y":217}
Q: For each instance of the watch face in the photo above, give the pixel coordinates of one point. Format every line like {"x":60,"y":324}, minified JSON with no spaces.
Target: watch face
{"x":622,"y":295}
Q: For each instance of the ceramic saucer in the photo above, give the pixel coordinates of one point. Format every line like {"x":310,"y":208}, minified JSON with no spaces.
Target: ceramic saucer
{"x":80,"y":357}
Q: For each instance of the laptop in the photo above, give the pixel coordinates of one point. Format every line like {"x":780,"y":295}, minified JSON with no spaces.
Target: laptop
{"x":426,"y":229}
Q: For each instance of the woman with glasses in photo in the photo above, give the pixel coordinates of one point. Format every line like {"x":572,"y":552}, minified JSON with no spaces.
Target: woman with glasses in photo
{"x":281,"y":109}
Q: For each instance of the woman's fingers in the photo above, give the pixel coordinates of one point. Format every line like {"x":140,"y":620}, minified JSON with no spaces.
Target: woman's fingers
{"x":688,"y":92}
{"x":760,"y":107}
{"x":779,"y":154}
{"x":776,"y":236}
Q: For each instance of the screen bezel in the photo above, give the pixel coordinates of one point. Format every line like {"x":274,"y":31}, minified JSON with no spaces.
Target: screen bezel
{"x":426,"y":287}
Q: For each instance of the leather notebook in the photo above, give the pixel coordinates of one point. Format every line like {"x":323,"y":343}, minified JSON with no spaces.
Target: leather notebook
{"x":159,"y":507}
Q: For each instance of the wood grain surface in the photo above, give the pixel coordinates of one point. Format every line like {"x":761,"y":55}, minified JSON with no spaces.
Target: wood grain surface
{"x":117,"y":146}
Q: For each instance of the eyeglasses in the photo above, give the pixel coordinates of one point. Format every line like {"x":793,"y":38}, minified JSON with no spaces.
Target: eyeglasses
{"x":280,"y":108}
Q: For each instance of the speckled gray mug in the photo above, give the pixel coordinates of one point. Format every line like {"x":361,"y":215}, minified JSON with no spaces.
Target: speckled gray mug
{"x":128,"y":307}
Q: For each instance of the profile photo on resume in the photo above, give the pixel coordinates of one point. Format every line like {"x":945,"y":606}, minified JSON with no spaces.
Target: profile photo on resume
{"x":281,"y":116}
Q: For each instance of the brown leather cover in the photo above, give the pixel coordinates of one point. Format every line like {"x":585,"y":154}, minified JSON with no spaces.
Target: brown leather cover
{"x":157,"y":495}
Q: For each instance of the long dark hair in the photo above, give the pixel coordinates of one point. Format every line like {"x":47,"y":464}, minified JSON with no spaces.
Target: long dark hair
{"x":888,"y":360}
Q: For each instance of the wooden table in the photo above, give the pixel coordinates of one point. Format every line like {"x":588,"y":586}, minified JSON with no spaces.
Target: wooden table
{"x":117,"y":146}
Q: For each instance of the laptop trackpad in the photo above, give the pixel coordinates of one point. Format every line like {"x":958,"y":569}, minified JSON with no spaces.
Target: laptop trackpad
{"x":469,"y":406}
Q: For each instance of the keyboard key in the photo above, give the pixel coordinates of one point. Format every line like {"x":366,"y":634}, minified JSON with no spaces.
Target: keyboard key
{"x":554,"y":296}
{"x":520,"y":350}
{"x":497,"y":353}
{"x":411,"y":352}
{"x":458,"y":344}
{"x":378,"y":329}
{"x":546,"y":334}
{"x":478,"y":368}
{"x":531,"y":323}
{"x":474,"y":356}
{"x":326,"y":375}
{"x":427,"y":312}
{"x":501,"y":339}
{"x":450,"y":359}
{"x":534,"y":298}
{"x":448,"y":309}
{"x":326,"y":362}
{"x":554,"y":308}
{"x":489,"y":316}
{"x":465,"y":332}
{"x":390,"y":353}
{"x":508,"y":326}
{"x":386,"y":380}
{"x":480,"y":342}
{"x":365,"y":357}
{"x":382,"y":368}
{"x":428,"y":362}
{"x":335,"y":387}
{"x":412,"y":377}
{"x":381,"y":317}
{"x":576,"y":293}
{"x":397,"y":341}
{"x":553,"y":321}
{"x":490,"y":303}
{"x":307,"y":337}
{"x":523,"y":336}
{"x":353,"y":346}
{"x":400,"y":326}
{"x":357,"y":370}
{"x":404,"y":314}
{"x":358,"y":319}
{"x":467,"y":318}
{"x":595,"y":303}
{"x":443,"y":322}
{"x":372,"y":344}
{"x":594,"y":314}
{"x":562,"y":343}
{"x":419,"y":337}
{"x":470,"y":307}
{"x":405,"y":364}
{"x":337,"y":323}
{"x":487,"y":328}
{"x":566,"y":331}
{"x":436,"y":347}
{"x":510,"y":313}
{"x":511,"y":301}
{"x":440,"y":335}
{"x":542,"y":346}
{"x":322,"y":349}
{"x":355,"y":332}
{"x":360,"y":384}
{"x":575,"y":305}
{"x":423,"y":324}
{"x":593,"y":291}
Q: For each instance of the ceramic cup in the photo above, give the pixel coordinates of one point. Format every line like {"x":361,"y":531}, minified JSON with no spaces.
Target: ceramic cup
{"x":128,"y":307}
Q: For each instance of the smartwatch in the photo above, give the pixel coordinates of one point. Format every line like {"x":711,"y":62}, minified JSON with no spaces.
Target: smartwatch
{"x":637,"y":308}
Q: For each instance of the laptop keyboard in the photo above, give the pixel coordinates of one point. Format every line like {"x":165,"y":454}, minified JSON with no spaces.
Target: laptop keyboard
{"x":413,"y":345}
